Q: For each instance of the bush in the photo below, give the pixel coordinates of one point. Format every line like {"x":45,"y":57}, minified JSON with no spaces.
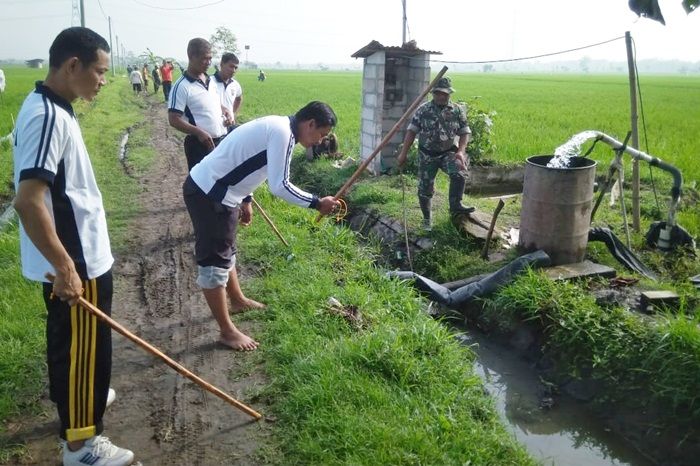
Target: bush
{"x":481,"y":123}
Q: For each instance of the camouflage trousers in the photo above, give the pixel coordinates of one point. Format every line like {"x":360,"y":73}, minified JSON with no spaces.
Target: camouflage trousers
{"x":428,"y":166}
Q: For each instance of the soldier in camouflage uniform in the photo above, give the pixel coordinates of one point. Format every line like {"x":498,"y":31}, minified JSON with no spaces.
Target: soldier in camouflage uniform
{"x":438,"y":123}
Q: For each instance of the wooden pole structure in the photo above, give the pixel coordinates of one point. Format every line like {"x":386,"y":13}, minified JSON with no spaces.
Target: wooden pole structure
{"x":111,"y":48}
{"x":634,"y":142}
{"x":407,"y":114}
{"x":269,"y":222}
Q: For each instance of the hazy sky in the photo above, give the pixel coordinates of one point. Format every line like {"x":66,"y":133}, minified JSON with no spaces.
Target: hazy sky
{"x":306,"y":31}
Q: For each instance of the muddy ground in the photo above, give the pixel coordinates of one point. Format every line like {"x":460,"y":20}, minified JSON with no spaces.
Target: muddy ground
{"x":163,"y":417}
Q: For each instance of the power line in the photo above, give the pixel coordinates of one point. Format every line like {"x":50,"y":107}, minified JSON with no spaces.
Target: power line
{"x":102,"y":9}
{"x":179,"y":9}
{"x":528,"y":58}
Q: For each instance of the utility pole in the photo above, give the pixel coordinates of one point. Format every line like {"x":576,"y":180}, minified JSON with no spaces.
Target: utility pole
{"x":403,"y":41}
{"x":634,"y":141}
{"x":82,"y":13}
{"x":111,"y":49}
{"x":75,"y":13}
{"x":116,"y":37}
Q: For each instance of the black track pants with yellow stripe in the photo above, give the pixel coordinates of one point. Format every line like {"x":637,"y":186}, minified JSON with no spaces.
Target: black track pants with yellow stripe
{"x":79,"y":356}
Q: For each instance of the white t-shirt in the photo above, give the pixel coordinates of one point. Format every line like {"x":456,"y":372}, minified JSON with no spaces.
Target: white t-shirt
{"x":199,"y":102}
{"x":49,"y":146}
{"x":256,"y":151}
{"x":228,"y":92}
{"x":135,"y":77}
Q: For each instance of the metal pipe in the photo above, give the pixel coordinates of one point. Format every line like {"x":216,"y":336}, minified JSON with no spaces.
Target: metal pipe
{"x":654,"y":162}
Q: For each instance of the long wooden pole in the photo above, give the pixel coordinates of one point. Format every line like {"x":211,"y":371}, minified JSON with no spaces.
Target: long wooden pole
{"x":269,"y":222}
{"x":182,"y":370}
{"x":341,"y":192}
{"x":634,"y":143}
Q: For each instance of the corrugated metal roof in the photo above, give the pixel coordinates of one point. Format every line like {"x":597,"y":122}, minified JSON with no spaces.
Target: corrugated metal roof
{"x":409,"y":49}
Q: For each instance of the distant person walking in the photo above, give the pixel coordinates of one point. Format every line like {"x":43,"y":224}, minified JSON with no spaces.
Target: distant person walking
{"x":145,"y":74}
{"x":230,"y":91}
{"x":261,"y":76}
{"x":156,"y":79}
{"x":166,"y":75}
{"x":194,"y":106}
{"x":63,"y":232}
{"x":136,"y":81}
{"x":443,"y":135}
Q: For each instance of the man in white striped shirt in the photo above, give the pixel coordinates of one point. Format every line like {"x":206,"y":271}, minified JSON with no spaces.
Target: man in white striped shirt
{"x":195,"y":107}
{"x":218,"y":194}
{"x":230,"y":90}
{"x":64,"y":233}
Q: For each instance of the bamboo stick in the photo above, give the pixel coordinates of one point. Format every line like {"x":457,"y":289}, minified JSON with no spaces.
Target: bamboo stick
{"x":269,"y":222}
{"x":182,"y":370}
{"x":341,"y":192}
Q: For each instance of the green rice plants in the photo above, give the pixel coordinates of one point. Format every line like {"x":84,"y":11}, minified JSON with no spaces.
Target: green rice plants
{"x":21,"y":334}
{"x":658,"y":359}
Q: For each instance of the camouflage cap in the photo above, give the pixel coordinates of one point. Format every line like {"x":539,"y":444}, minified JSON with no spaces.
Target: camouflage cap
{"x":444,"y":84}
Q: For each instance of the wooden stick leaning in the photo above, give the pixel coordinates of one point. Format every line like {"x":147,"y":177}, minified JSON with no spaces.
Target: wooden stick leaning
{"x":182,"y":370}
{"x":341,"y":192}
{"x":485,"y":250}
{"x":269,"y":222}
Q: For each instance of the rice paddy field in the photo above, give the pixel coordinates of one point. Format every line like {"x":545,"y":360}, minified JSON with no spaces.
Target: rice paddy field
{"x":534,"y":113}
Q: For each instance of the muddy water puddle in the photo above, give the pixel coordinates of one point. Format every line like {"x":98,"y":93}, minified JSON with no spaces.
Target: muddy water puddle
{"x":565,"y":434}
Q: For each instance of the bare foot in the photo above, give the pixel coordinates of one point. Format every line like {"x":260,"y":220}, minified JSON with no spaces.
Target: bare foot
{"x":245,"y":304}
{"x":238,"y":341}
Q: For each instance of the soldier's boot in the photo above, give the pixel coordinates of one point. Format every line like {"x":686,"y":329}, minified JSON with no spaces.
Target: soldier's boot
{"x":457,"y":185}
{"x":426,"y":208}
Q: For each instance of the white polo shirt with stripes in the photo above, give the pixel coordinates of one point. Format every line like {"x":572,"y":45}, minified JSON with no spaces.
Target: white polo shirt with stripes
{"x":256,"y":151}
{"x":48,"y":146}
{"x":228,"y":91}
{"x":199,"y":102}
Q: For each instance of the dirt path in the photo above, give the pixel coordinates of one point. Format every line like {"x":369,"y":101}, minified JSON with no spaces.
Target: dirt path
{"x":163,"y":417}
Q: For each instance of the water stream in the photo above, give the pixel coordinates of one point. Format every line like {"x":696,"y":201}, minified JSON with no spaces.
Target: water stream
{"x":564,"y":435}
{"x":571,"y":148}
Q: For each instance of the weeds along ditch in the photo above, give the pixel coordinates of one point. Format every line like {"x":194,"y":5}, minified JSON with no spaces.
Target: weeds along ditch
{"x":642,"y":370}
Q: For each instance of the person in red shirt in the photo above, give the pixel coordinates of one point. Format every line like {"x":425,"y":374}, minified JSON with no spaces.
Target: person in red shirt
{"x":166,"y":74}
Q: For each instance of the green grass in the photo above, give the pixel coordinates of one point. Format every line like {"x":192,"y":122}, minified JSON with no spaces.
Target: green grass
{"x":22,"y":318}
{"x":20,"y":82}
{"x":395,"y":389}
{"x":640,"y":361}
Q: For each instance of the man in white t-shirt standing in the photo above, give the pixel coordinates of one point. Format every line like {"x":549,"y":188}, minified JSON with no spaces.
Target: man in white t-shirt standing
{"x":195,"y":107}
{"x":136,"y":81}
{"x":63,"y":233}
{"x":230,"y":91}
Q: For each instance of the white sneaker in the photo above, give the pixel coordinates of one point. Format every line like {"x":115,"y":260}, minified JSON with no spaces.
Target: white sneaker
{"x":111,"y":396}
{"x":97,"y":451}
{"x":427,"y":224}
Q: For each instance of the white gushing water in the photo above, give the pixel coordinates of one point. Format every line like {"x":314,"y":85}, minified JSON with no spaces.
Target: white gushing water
{"x":571,"y":148}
